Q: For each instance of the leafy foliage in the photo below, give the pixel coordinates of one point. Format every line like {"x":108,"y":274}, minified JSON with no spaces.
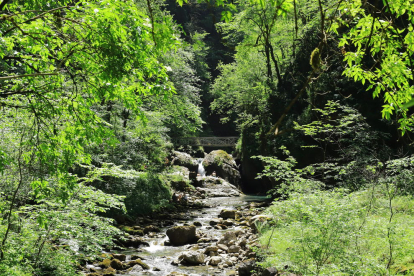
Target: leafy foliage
{"x":324,"y":233}
{"x":378,"y":50}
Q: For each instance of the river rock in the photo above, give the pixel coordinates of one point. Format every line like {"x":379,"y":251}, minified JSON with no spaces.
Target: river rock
{"x":191,"y":258}
{"x":117,"y":264}
{"x":138,"y":262}
{"x":179,"y":179}
{"x":227,"y":238}
{"x":271,"y":271}
{"x":211,"y":248}
{"x":224,"y":165}
{"x":228,"y":222}
{"x":180,"y":235}
{"x":151,"y":228}
{"x":214,"y":261}
{"x":135,"y":242}
{"x":105,"y":263}
{"x":223,"y":247}
{"x":185,"y":160}
{"x":121,"y":257}
{"x":221,"y":189}
{"x":215,"y":222}
{"x":234,"y":249}
{"x":136,"y":257}
{"x":136,"y":270}
{"x":246,"y":267}
{"x":228,"y":214}
{"x":109,"y":272}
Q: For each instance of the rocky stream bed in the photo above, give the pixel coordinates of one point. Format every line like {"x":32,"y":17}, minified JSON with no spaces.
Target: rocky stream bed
{"x":215,"y":239}
{"x":212,"y":233}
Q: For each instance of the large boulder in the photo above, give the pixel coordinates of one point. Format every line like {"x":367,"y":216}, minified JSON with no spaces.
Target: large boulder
{"x":180,"y":235}
{"x":191,"y":258}
{"x":185,"y":160}
{"x":226,"y":214}
{"x":224,"y":165}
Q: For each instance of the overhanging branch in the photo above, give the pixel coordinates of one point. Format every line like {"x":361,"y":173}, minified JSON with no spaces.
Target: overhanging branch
{"x":28,"y":75}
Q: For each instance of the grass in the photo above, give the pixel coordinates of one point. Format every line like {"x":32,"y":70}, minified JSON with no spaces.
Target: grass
{"x":336,"y":233}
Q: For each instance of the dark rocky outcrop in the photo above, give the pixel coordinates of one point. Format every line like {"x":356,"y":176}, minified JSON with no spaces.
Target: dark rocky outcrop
{"x":224,"y":165}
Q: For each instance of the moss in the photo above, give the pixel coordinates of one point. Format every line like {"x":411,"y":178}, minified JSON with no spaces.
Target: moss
{"x":138,"y":262}
{"x":220,"y":157}
{"x":109,"y":272}
{"x":315,"y":59}
{"x":105,"y":263}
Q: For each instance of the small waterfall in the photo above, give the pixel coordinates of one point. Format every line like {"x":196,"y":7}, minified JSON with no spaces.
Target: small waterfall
{"x":201,"y":171}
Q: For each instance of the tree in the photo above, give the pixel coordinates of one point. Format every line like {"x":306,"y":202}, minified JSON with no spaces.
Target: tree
{"x":60,"y":63}
{"x":379,"y":50}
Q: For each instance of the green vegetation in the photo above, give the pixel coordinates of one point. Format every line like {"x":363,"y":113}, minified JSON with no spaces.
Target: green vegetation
{"x":337,"y":233}
{"x":91,"y":93}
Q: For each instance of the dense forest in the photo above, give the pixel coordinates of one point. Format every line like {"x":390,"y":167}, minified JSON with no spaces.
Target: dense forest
{"x":94,"y":94}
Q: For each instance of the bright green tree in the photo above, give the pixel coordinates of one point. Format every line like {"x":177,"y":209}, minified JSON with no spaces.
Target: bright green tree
{"x":61,"y":62}
{"x":379,"y":51}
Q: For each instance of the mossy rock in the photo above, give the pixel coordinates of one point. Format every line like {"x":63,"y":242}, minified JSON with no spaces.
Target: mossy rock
{"x":117,"y":264}
{"x":131,"y":230}
{"x":109,"y":272}
{"x":138,"y":262}
{"x":104,"y":256}
{"x":185,"y":160}
{"x":105,"y":263}
{"x":223,"y":165}
{"x":179,"y":178}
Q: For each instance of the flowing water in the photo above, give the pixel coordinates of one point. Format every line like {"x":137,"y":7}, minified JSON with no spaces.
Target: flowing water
{"x":201,"y":171}
{"x":159,"y":256}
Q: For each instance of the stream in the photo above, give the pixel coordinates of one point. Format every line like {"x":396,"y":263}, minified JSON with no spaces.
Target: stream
{"x":213,"y":220}
{"x":160,"y":257}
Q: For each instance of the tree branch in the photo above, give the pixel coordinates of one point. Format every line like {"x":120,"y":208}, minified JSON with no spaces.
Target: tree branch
{"x":6,"y":94}
{"x":275,"y":128}
{"x":28,"y":75}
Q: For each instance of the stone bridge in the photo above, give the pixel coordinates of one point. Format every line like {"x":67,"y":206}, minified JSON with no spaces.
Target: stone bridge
{"x":229,"y":141}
